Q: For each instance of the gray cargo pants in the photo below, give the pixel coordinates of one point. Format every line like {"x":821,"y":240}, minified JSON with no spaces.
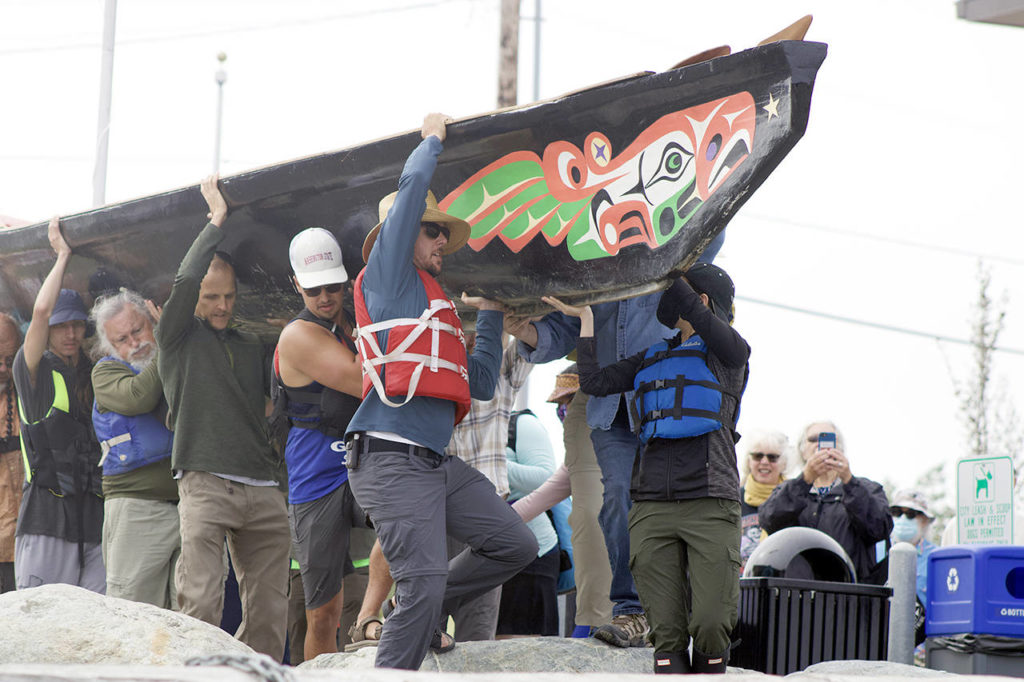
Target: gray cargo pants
{"x":415,"y":501}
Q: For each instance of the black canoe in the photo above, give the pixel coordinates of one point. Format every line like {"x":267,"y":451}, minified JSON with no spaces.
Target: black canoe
{"x":593,"y":196}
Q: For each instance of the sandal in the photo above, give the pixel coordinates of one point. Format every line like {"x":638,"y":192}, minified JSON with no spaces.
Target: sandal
{"x":440,"y":642}
{"x":360,"y":639}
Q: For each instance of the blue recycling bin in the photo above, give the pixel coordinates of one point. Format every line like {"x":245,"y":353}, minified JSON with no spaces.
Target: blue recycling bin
{"x":976,"y":589}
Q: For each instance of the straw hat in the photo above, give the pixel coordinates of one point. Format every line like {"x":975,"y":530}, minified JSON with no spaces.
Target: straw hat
{"x":566,"y":384}
{"x":458,"y":229}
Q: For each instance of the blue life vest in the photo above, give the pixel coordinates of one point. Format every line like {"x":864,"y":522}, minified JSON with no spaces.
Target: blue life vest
{"x":677,"y":396}
{"x":317,"y":417}
{"x":129,"y":442}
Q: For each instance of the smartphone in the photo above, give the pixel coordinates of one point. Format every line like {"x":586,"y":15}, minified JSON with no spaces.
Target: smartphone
{"x":826,"y":439}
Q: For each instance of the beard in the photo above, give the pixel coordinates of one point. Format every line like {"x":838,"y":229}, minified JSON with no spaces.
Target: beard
{"x":143,"y":356}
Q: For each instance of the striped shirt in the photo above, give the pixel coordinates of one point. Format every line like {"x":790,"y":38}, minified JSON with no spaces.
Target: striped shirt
{"x":480,"y":438}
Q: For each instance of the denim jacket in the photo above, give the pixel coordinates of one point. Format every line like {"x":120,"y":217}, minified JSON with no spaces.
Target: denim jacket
{"x":621,"y":328}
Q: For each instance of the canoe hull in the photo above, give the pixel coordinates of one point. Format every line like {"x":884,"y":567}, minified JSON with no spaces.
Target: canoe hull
{"x":598,"y":195}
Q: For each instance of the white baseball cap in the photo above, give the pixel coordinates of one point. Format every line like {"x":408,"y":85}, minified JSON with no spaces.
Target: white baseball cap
{"x":316,"y":258}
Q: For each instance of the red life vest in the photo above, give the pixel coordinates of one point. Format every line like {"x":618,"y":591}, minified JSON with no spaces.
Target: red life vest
{"x":425,"y":355}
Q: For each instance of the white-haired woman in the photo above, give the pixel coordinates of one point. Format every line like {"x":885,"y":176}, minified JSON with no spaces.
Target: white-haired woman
{"x":852,"y":509}
{"x":761,"y":469}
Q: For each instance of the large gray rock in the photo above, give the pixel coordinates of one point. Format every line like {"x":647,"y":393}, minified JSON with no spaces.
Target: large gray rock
{"x":523,"y":655}
{"x":867,"y":668}
{"x":67,"y":624}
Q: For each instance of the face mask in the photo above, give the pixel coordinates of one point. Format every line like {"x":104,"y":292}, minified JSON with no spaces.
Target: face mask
{"x":561,"y":410}
{"x":903,"y":529}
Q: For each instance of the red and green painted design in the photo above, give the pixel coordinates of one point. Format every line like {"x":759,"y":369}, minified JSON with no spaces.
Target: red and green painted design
{"x":598,"y":202}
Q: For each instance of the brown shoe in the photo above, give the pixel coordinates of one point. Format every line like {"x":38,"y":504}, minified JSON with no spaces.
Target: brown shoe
{"x":363,"y":636}
{"x":625,"y":630}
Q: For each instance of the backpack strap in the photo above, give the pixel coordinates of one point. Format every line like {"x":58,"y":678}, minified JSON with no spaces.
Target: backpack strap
{"x":513,"y":418}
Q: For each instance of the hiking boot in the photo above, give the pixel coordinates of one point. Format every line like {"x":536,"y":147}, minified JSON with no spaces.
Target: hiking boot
{"x":625,"y":630}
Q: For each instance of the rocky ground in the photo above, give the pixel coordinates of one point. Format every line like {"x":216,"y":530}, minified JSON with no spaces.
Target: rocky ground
{"x":59,"y":632}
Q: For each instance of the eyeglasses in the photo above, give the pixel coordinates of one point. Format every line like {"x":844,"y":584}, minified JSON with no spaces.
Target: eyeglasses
{"x":772,"y":457}
{"x":329,"y":288}
{"x":903,"y":511}
{"x":434,"y":229}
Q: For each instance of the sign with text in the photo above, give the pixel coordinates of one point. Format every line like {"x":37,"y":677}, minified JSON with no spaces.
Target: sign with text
{"x":984,"y":501}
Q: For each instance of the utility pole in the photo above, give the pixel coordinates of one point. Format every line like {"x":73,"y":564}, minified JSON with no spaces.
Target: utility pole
{"x":536,"y":51}
{"x":508,"y":54}
{"x":99,"y":173}
{"x":221,"y":77}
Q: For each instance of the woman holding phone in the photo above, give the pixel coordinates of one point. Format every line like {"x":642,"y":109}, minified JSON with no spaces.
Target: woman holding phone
{"x":853,"y":510}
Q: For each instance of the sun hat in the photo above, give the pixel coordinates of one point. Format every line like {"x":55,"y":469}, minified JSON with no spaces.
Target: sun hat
{"x":911,"y":499}
{"x":69,"y":307}
{"x":458,"y":229}
{"x":316,"y":258}
{"x":566,"y":384}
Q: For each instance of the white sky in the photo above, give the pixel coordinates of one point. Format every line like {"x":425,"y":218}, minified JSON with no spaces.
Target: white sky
{"x":905,"y":176}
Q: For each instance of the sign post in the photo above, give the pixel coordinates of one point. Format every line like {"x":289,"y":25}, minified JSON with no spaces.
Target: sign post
{"x":984,"y":501}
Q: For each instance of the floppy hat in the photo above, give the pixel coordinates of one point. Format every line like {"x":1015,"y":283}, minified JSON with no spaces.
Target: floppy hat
{"x":69,"y":307}
{"x":458,"y":229}
{"x":566,"y":384}
{"x":316,"y":258}
{"x":911,"y":499}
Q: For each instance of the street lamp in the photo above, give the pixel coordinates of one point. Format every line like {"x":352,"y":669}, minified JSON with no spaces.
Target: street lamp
{"x":221,"y":77}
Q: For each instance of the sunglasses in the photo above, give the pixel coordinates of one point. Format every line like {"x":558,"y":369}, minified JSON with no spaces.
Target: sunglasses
{"x":772,"y":457}
{"x":433,"y":229}
{"x":903,"y":511}
{"x":329,"y":288}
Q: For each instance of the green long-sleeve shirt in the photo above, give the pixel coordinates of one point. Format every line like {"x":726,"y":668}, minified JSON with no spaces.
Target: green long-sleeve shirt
{"x":118,"y":389}
{"x":215,"y":381}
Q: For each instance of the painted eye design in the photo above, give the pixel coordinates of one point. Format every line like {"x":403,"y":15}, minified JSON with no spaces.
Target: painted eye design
{"x":714,"y":146}
{"x":674,"y":161}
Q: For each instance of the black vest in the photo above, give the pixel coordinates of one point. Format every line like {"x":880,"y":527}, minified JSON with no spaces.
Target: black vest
{"x":315,"y":406}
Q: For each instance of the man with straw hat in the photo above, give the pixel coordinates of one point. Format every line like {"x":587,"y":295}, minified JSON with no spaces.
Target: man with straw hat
{"x":414,"y":360}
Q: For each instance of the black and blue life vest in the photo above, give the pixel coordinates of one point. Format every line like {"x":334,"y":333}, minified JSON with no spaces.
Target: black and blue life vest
{"x":314,"y":406}
{"x":676,"y":395}
{"x":129,"y":442}
{"x":60,"y":450}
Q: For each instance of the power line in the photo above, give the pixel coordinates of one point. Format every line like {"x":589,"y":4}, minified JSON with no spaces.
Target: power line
{"x":237,"y":29}
{"x":874,"y":325}
{"x":884,"y":239}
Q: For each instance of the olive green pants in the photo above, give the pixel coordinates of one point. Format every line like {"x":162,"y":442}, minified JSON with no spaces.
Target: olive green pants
{"x":685,"y":559}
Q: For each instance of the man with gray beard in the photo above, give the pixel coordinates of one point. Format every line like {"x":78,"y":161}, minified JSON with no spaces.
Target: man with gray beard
{"x":141,"y":541}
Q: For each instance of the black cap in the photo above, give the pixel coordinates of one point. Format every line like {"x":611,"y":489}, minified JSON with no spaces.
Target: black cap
{"x":712,"y":280}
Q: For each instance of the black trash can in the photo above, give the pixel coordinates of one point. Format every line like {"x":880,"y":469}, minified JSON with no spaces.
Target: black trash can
{"x":799,"y":605}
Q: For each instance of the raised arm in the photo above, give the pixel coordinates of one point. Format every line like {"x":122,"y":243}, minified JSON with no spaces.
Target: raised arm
{"x":594,"y":379}
{"x":389,"y":270}
{"x":485,"y":362}
{"x":179,"y":310}
{"x":118,"y":389}
{"x":307,"y":352}
{"x":38,"y":334}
